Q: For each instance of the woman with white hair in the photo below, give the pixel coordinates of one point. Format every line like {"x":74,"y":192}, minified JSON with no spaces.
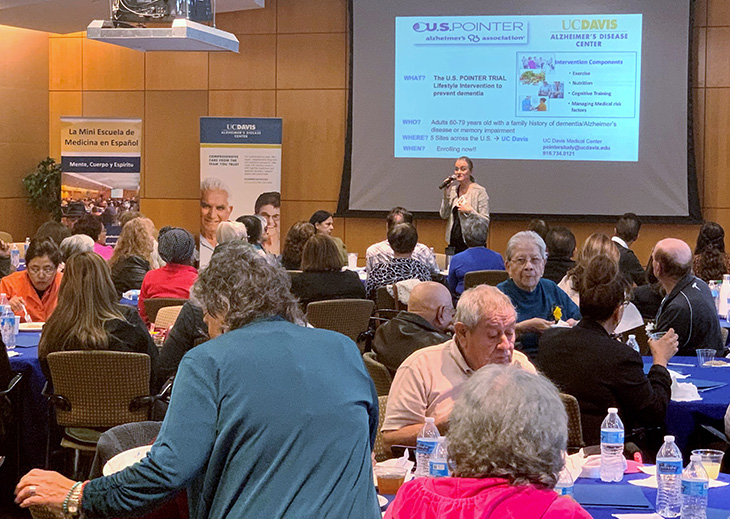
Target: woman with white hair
{"x":507,"y":435}
{"x":268,"y":419}
{"x":539,"y":302}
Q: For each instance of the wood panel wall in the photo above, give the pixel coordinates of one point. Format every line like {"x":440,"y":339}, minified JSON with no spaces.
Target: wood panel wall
{"x":292,"y":65}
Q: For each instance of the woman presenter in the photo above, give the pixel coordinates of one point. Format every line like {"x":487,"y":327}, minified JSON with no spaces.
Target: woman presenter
{"x":463,"y":199}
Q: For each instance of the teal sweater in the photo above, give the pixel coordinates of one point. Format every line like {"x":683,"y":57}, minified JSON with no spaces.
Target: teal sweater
{"x":272,"y":420}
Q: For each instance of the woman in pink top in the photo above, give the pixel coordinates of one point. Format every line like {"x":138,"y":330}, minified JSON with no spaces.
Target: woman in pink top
{"x":506,"y":438}
{"x":91,"y":225}
{"x":176,"y":247}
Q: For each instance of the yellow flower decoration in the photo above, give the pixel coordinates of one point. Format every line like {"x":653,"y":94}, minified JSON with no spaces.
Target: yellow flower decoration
{"x":557,"y":313}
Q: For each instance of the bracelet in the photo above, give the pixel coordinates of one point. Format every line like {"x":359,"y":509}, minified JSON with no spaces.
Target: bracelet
{"x":70,"y":506}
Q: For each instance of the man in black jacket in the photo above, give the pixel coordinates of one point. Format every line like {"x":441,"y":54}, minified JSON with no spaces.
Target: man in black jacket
{"x":626,"y":233}
{"x":688,"y":307}
{"x":426,"y":323}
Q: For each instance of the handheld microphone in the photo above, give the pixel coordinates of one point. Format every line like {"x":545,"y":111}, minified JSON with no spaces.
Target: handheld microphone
{"x":447,"y":181}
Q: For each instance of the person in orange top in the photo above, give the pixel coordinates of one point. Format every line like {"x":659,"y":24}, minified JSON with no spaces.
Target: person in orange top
{"x":37,"y":286}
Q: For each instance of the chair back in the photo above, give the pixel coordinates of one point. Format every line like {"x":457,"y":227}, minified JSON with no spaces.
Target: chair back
{"x":153,"y":305}
{"x":575,"y":430}
{"x":381,"y":453}
{"x":378,"y":372}
{"x":383,"y":299}
{"x":350,"y":317}
{"x":167,"y":316}
{"x":99,"y":387}
{"x":440,"y":260}
{"x":484,"y":277}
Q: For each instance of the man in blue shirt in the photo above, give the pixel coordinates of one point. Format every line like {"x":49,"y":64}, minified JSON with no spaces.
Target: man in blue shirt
{"x":537,"y":300}
{"x":476,"y":257}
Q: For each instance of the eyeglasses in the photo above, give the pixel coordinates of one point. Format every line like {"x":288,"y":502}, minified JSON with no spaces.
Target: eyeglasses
{"x":521,"y":261}
{"x":46,"y":271}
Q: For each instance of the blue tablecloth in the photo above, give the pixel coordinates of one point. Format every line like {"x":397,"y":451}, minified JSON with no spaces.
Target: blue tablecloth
{"x":33,"y":427}
{"x":683,"y":418}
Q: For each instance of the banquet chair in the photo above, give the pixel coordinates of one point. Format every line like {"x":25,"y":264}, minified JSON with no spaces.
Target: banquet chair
{"x":383,"y":299}
{"x":154,"y":304}
{"x":484,"y":277}
{"x":167,"y":316}
{"x":348,"y":316}
{"x":94,"y":391}
{"x":378,"y":372}
{"x":10,"y":409}
{"x":575,"y":430}
{"x":381,"y":453}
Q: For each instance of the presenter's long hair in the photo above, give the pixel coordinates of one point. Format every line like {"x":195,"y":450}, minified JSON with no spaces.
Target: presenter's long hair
{"x":86,"y":300}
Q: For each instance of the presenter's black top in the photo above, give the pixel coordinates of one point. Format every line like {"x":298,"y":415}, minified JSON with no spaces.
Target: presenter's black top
{"x":601,"y":372}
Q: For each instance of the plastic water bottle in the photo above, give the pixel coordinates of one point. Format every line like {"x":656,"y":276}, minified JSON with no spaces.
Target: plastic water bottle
{"x":613,"y":462}
{"x":27,"y":244}
{"x":694,"y":489}
{"x":724,"y":294}
{"x":3,"y":300}
{"x":564,"y":486}
{"x":425,"y":445}
{"x":715,"y":291}
{"x":669,"y":479}
{"x":7,"y":327}
{"x":438,"y":464}
{"x":15,"y":257}
{"x":632,"y":342}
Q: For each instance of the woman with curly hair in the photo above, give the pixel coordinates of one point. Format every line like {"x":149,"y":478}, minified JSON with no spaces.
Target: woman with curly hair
{"x":506,"y":438}
{"x":710,"y":261}
{"x":299,"y":233}
{"x":596,"y":244}
{"x":134,"y":255}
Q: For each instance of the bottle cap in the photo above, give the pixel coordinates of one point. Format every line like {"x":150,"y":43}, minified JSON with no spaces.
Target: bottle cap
{"x":695,"y":457}
{"x":430,"y":419}
{"x":613,"y":410}
{"x":669,"y":438}
{"x":632,"y":337}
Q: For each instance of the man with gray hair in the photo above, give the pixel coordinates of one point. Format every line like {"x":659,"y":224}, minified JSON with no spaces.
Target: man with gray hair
{"x":540,"y":303}
{"x":688,"y":307}
{"x":428,"y":382}
{"x":476,"y":257}
{"x":214,"y":209}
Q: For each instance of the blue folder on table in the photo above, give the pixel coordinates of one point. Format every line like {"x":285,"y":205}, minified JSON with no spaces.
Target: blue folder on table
{"x":625,"y":497}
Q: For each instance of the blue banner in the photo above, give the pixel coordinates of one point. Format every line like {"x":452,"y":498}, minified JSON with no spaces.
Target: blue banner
{"x":236,"y":130}
{"x":71,"y":164}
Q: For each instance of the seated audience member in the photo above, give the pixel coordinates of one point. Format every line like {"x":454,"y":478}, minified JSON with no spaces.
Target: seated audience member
{"x":402,"y":239}
{"x":539,"y":226}
{"x":599,"y":371}
{"x":75,"y":244}
{"x":188,"y":331}
{"x":256,"y":232}
{"x":36,"y":287}
{"x":72,"y":213}
{"x":560,"y":244}
{"x":428,"y":382}
{"x":626,"y":233}
{"x":688,"y":307}
{"x":291,"y":255}
{"x":53,"y":230}
{"x":475,"y":257}
{"x":177,"y":247}
{"x":382,"y":252}
{"x":536,"y":299}
{"x":5,"y":249}
{"x":428,"y":321}
{"x":710,"y":261}
{"x":324,"y":224}
{"x":91,"y":226}
{"x":509,"y":468}
{"x":265,"y":389}
{"x":596,"y":244}
{"x":128,"y":216}
{"x":231,"y":231}
{"x":647,"y":298}
{"x":133,"y":256}
{"x":322,"y":276}
{"x":89,"y":317}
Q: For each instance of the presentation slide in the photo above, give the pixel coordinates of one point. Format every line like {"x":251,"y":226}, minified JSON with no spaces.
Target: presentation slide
{"x":518,"y":87}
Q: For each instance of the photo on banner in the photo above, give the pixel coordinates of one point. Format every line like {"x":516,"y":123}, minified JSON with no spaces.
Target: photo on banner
{"x":101,"y":162}
{"x":240,"y":173}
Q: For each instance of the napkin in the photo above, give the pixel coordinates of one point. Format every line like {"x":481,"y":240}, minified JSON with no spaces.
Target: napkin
{"x":132,"y":295}
{"x":676,"y":374}
{"x":684,"y":391}
{"x":12,"y":353}
{"x":574,"y":464}
{"x":403,"y":461}
{"x":651,"y":482}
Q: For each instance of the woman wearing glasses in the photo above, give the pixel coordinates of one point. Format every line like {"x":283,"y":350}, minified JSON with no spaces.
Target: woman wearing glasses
{"x":601,"y":372}
{"x":35,"y":290}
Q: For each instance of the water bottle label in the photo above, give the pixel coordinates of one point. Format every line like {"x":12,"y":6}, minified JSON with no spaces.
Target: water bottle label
{"x":426,"y":445}
{"x":565,"y":491}
{"x":612,"y":437}
{"x":438,"y":469}
{"x":669,"y":467}
{"x":694,"y":488}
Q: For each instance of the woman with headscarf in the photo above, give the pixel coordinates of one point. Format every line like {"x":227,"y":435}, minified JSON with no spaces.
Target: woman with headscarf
{"x":176,"y":247}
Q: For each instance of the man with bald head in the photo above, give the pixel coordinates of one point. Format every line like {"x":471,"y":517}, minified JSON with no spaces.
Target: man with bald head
{"x":688,"y":307}
{"x":428,"y":321}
